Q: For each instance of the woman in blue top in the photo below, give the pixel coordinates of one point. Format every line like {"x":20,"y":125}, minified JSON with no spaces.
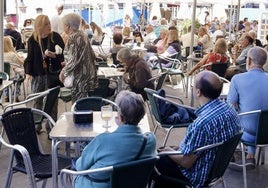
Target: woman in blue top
{"x":120,"y":146}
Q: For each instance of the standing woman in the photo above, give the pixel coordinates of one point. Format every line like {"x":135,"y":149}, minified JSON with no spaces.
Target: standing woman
{"x":97,"y":33}
{"x":79,"y":58}
{"x":43,"y":65}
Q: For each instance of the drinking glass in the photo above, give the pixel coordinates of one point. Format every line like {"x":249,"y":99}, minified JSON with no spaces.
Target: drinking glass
{"x":106,"y":115}
{"x":110,"y":61}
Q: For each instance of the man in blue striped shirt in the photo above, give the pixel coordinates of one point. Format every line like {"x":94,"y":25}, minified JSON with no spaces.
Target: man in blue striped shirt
{"x":216,"y":121}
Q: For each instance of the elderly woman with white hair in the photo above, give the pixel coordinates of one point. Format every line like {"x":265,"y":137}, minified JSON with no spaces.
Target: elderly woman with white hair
{"x":79,"y":58}
{"x":126,"y":143}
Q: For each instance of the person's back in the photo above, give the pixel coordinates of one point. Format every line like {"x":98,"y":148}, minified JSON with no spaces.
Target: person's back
{"x":248,"y":92}
{"x":252,"y":94}
{"x":122,"y":145}
{"x":217,"y":121}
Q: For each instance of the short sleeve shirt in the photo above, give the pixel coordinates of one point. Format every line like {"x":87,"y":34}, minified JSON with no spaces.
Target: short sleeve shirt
{"x":217,"y":121}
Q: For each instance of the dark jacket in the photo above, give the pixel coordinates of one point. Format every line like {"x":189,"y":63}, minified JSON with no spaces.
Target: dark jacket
{"x":33,"y":63}
{"x":139,"y":74}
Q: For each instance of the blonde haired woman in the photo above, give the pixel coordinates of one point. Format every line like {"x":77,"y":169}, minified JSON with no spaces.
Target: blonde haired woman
{"x":217,"y":56}
{"x":205,"y":40}
{"x":11,"y":56}
{"x":97,"y":33}
{"x":43,"y":64}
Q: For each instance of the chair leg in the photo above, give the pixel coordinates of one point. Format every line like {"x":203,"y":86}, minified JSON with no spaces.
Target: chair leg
{"x":44,"y":183}
{"x":167,"y":135}
{"x":9,"y":170}
{"x":244,"y":165}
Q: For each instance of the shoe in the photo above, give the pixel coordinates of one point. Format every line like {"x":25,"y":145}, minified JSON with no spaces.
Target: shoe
{"x":238,"y":166}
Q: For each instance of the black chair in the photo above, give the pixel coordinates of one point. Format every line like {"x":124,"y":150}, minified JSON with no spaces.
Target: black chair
{"x":224,"y":154}
{"x":218,"y":68}
{"x":155,"y":112}
{"x":91,"y":103}
{"x":103,"y":90}
{"x":159,"y":80}
{"x":261,"y":139}
{"x":133,"y":174}
{"x":20,"y":129}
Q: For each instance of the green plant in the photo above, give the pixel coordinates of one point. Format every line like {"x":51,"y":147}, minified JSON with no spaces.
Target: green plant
{"x":184,"y":24}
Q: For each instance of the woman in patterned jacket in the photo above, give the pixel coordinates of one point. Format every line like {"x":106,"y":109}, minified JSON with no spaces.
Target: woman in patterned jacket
{"x":79,"y":58}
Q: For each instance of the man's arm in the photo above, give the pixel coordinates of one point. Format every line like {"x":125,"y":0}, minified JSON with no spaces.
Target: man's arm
{"x":185,"y":161}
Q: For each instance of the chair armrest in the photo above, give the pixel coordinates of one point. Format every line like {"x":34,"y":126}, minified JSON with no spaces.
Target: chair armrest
{"x":81,"y":173}
{"x":29,"y":98}
{"x":25,"y":155}
{"x":210,"y":146}
{"x":249,"y":112}
{"x":206,"y":65}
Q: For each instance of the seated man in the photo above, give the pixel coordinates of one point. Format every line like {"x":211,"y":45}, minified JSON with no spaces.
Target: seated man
{"x":246,"y":43}
{"x":248,"y":91}
{"x":123,"y":145}
{"x":216,"y":121}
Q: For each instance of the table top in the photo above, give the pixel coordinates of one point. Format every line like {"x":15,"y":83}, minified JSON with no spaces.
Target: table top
{"x":109,"y":72}
{"x":5,"y":84}
{"x":66,"y":130}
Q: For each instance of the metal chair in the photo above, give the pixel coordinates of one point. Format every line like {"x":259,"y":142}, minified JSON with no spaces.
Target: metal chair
{"x":131,"y":174}
{"x":224,"y":154}
{"x":20,"y":129}
{"x":177,"y":67}
{"x":103,"y":90}
{"x":99,"y":45}
{"x":159,"y":80}
{"x":91,"y":103}
{"x":17,"y":79}
{"x":65,"y":95}
{"x":155,"y":112}
{"x":218,"y":68}
{"x":261,"y":140}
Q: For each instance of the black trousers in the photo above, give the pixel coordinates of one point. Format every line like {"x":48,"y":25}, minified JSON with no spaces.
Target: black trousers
{"x":169,"y":168}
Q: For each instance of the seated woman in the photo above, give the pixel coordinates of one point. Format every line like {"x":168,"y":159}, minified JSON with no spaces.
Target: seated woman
{"x":172,"y":50}
{"x":16,"y":64}
{"x":97,"y":33}
{"x":205,"y":40}
{"x":117,"y":39}
{"x":137,"y":72}
{"x":126,"y":35}
{"x":217,"y":56}
{"x":120,"y":146}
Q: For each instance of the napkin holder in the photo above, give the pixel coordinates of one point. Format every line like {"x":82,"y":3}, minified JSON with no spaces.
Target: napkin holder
{"x":83,"y":117}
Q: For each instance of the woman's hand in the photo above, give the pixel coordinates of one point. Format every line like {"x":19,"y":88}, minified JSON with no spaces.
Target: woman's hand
{"x":27,"y":80}
{"x":61,"y":77}
{"x":50,"y":54}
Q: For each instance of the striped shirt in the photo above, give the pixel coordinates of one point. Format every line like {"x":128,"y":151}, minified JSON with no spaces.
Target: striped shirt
{"x":217,"y":121}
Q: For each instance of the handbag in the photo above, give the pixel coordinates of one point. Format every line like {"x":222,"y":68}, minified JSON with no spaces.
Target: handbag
{"x":68,"y":81}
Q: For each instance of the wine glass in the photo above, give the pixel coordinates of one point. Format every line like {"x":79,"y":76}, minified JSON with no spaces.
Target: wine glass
{"x":110,"y":61}
{"x":106,"y":115}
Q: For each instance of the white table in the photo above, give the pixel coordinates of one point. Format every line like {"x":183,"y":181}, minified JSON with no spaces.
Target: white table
{"x":66,"y":131}
{"x":110,"y":72}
